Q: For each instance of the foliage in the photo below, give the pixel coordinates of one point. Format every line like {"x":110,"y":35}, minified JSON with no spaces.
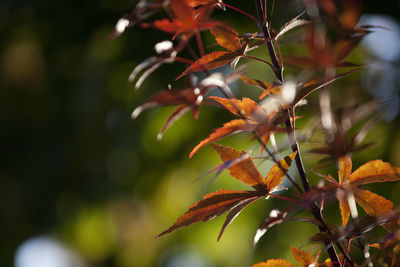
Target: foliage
{"x":330,"y":33}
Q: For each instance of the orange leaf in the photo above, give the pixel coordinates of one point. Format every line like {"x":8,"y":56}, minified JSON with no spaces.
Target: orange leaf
{"x":274,"y":263}
{"x":373,"y":172}
{"x":276,"y":174}
{"x":210,"y":61}
{"x":244,"y":171}
{"x":302,"y":257}
{"x":181,"y":10}
{"x":343,"y":205}
{"x":195,"y":3}
{"x":345,"y":165}
{"x":372,"y":203}
{"x":245,"y":107}
{"x":255,"y":82}
{"x":211,"y":206}
{"x":226,"y":36}
{"x":228,"y":129}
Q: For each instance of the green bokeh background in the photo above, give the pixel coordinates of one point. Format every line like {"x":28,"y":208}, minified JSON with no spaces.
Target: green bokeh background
{"x":74,"y":166}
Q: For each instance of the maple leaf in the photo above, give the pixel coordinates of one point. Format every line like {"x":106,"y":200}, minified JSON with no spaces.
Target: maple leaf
{"x":186,"y":21}
{"x":254,"y":119}
{"x":297,"y":93}
{"x":302,"y":257}
{"x":348,"y":182}
{"x":324,"y":55}
{"x":227,"y":37}
{"x":221,"y":201}
{"x":274,"y":263}
{"x":187,"y":99}
{"x":345,"y":140}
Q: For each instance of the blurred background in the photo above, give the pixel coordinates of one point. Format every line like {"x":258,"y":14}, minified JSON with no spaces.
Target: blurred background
{"x":81,"y":184}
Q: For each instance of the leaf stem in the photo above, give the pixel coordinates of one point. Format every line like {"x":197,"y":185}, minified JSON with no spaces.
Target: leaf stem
{"x":239,"y":10}
{"x":282,"y":197}
{"x":259,"y":59}
{"x":200,"y":44}
{"x":278,"y":70}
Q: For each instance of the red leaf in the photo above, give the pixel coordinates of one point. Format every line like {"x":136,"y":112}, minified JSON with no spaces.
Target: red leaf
{"x":235,"y":212}
{"x":210,"y":61}
{"x":228,"y":129}
{"x":227,"y":36}
{"x":211,"y":206}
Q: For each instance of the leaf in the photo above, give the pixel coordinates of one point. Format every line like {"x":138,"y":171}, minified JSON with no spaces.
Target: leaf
{"x":226,"y":36}
{"x":274,"y":263}
{"x":345,"y":165}
{"x":185,"y":20}
{"x":228,"y":129}
{"x":269,"y":88}
{"x":244,"y":171}
{"x":182,"y":10}
{"x":255,"y":82}
{"x":372,"y":203}
{"x":302,"y":257}
{"x":275,"y":217}
{"x":235,"y":212}
{"x":343,"y":205}
{"x":245,"y":107}
{"x":210,"y":61}
{"x":373,"y":172}
{"x":316,"y":84}
{"x":195,"y":3}
{"x":293,"y":23}
{"x":211,"y":206}
{"x":276,"y":174}
{"x":178,"y":112}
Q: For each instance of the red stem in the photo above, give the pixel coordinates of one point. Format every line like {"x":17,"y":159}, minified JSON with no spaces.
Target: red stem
{"x":200,"y":43}
{"x":282,"y":197}
{"x":239,"y":10}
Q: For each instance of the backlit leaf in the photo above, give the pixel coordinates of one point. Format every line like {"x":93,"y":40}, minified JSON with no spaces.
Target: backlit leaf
{"x":302,"y":257}
{"x":245,"y":107}
{"x":343,"y":205}
{"x":345,"y":165}
{"x":293,"y":23}
{"x":228,"y":129}
{"x":274,"y":263}
{"x":244,"y":171}
{"x":226,"y":36}
{"x":372,"y":203}
{"x":276,"y":174}
{"x":211,"y":206}
{"x":210,"y":61}
{"x":373,"y":172}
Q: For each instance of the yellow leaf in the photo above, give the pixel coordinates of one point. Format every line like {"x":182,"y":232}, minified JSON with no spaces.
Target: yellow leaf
{"x":302,"y":257}
{"x":344,"y":206}
{"x":276,"y":174}
{"x":373,"y":172}
{"x":274,"y":263}
{"x":244,"y":171}
{"x":345,"y":166}
{"x":372,"y":203}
